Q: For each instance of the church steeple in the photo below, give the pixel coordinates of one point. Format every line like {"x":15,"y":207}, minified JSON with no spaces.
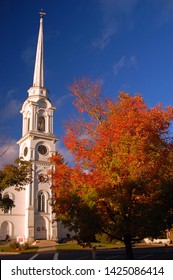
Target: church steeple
{"x":38,"y":80}
{"x":37,"y":110}
{"x":33,"y":218}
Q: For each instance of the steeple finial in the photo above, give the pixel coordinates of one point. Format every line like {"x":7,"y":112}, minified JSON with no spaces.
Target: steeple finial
{"x":42,"y":13}
{"x":38,"y":80}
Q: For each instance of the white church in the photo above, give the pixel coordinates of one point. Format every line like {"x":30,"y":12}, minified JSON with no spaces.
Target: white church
{"x":32,"y":217}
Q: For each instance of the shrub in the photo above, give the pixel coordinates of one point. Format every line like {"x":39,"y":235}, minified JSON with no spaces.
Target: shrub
{"x":102,"y":238}
{"x":15,"y":245}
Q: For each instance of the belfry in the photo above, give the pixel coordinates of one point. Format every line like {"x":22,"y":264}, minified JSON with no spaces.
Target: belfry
{"x":32,"y":215}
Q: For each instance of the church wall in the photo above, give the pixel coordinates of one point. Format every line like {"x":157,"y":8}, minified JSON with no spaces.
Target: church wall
{"x":14,"y":228}
{"x":12,"y":223}
{"x":64,"y":233}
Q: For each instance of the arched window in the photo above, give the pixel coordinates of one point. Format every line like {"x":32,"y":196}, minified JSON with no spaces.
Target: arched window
{"x":41,"y":202}
{"x":41,"y":124}
{"x":5,"y":230}
{"x":6,"y":196}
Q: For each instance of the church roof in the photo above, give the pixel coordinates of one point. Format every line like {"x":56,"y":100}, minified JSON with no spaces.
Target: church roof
{"x":38,"y":88}
{"x":38,"y":80}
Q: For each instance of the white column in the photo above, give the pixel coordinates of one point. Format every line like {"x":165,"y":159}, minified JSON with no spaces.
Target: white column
{"x":51,"y":121}
{"x":47,"y":128}
{"x":24,"y":126}
{"x":32,"y":118}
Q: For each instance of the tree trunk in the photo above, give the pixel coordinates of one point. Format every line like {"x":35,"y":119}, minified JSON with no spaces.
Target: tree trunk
{"x":128,"y":247}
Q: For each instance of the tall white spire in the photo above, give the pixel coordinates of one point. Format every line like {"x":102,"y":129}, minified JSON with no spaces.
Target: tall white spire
{"x":38,"y":80}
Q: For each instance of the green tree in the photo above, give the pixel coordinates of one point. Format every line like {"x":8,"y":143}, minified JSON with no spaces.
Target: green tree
{"x":17,"y":176}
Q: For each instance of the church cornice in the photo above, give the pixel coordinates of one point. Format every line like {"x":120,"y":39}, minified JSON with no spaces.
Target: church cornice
{"x":42,"y":163}
{"x":38,"y":91}
{"x":34,"y":101}
{"x":38,"y":135}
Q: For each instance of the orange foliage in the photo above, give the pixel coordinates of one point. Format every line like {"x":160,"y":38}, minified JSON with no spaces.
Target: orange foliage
{"x":122,"y":157}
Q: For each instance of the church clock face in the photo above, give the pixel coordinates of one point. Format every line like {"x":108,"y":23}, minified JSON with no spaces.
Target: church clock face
{"x":42,"y":150}
{"x":41,"y":178}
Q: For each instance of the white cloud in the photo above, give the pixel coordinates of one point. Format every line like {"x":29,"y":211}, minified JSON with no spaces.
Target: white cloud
{"x":164,"y":14}
{"x":64,"y":152}
{"x":61,"y":100}
{"x":111,"y":8}
{"x":132,"y":61}
{"x":116,"y":14}
{"x":103,"y":40}
{"x":10,"y":94}
{"x":10,"y":110}
{"x":111,"y":11}
{"x":124,"y":62}
{"x":119,"y":65}
{"x":28,"y":56}
{"x":11,"y":152}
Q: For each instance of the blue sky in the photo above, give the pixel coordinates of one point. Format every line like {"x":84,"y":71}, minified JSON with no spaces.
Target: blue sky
{"x":127,"y":44}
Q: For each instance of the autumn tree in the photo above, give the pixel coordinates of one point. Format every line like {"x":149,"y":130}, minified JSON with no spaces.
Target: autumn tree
{"x":15,"y":175}
{"x":123,"y":163}
{"x":71,"y":203}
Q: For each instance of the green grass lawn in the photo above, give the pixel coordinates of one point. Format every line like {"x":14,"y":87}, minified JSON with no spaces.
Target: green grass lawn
{"x":64,"y":247}
{"x":7,"y":248}
{"x":99,"y":246}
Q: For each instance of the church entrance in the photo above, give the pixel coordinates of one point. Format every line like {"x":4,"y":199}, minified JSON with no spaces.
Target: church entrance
{"x":40,"y":228}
